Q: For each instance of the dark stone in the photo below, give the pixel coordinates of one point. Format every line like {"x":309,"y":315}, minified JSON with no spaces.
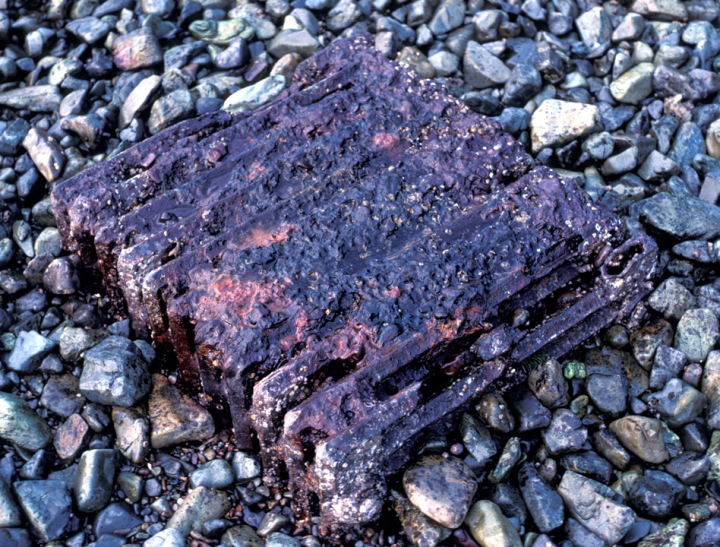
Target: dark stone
{"x":705,"y":534}
{"x":260,"y":261}
{"x":589,"y":464}
{"x":115,"y":517}
{"x":47,"y":505}
{"x":544,"y":503}
{"x":656,"y":494}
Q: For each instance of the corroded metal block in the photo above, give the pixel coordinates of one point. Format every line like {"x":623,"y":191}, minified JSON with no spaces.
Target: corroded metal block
{"x":342,"y":270}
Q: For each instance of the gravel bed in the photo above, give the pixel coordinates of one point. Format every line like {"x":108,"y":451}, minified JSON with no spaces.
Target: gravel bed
{"x":619,"y":444}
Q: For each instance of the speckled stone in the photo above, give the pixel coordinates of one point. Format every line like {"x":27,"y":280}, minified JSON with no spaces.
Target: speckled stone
{"x":174,"y":417}
{"x":441,"y":488}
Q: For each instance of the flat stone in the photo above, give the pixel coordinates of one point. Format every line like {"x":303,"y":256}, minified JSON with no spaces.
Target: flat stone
{"x":678,"y":403}
{"x":596,"y":507}
{"x":556,"y":122}
{"x":635,"y":85}
{"x":95,"y":480}
{"x":216,"y":473}
{"x":672,"y":299}
{"x":564,"y":433}
{"x":74,"y":342}
{"x":293,"y":41}
{"x":62,"y":396}
{"x":660,"y":10}
{"x":243,"y":536}
{"x":621,"y":163}
{"x":588,"y":463}
{"x":200,"y":505}
{"x":21,"y":425}
{"x":174,"y":417}
{"x":477,"y":439}
{"x":610,"y":361}
{"x":595,"y":28}
{"x":137,"y":49}
{"x":688,"y":143}
{"x":441,"y":488}
{"x":680,"y":217}
{"x":509,"y":458}
{"x":482,"y":68}
{"x":530,"y":412}
{"x":690,"y":467}
{"x":696,"y":334}
{"x":418,"y":528}
{"x":39,"y":98}
{"x":139,"y":99}
{"x":646,"y":340}
{"x":71,"y":437}
{"x":29,"y":351}
{"x":114,"y":373}
{"x":170,"y":537}
{"x":89,"y":29}
{"x":170,"y":109}
{"x":131,"y":485}
{"x":256,"y":95}
{"x":643,"y":437}
{"x":47,"y":505}
{"x":656,"y":494}
{"x":544,"y":503}
{"x":46,"y":154}
{"x":115,"y":517}
{"x":608,"y":393}
{"x":133,"y":433}
{"x":490,"y":527}
{"x":608,"y":445}
{"x":548,"y":384}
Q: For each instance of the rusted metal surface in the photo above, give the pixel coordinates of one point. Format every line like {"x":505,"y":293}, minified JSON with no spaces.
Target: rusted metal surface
{"x":341,"y":270}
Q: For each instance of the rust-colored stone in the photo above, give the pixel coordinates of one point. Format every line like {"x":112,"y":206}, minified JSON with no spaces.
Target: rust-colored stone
{"x":341,"y":268}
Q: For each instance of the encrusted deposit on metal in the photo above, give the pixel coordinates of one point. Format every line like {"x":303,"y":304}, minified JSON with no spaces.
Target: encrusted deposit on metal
{"x":342,"y":267}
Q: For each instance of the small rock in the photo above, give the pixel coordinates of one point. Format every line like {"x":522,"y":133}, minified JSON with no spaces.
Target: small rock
{"x":441,"y":488}
{"x":139,"y":99}
{"x":635,"y":85}
{"x":221,"y":33}
{"x":642,"y":436}
{"x":116,"y":516}
{"x":482,"y":68}
{"x":137,"y":49}
{"x":509,"y":457}
{"x":61,"y":276}
{"x":170,"y":109}
{"x":21,"y":425}
{"x":62,"y":396}
{"x":672,"y":299}
{"x":704,"y":534}
{"x":690,"y":467}
{"x":29,"y":351}
{"x":47,"y":505}
{"x":95,"y":479}
{"x":170,"y":537}
{"x":660,"y":10}
{"x":564,"y":433}
{"x":696,"y":334}
{"x":174,"y":417}
{"x":74,"y":342}
{"x":293,"y":41}
{"x":646,"y":340}
{"x":656,"y":494}
{"x":39,"y":98}
{"x":133,"y":433}
{"x":595,"y":28}
{"x":608,"y":393}
{"x":490,"y":527}
{"x":544,"y":503}
{"x":493,"y":409}
{"x":607,"y":444}
{"x":89,"y":29}
{"x":200,"y":505}
{"x":71,"y":437}
{"x":246,"y":467}
{"x":548,"y":384}
{"x":671,"y":535}
{"x":242,"y":536}
{"x":477,"y":439}
{"x":46,"y":154}
{"x":114,"y":373}
{"x":9,"y":513}
{"x":556,"y":123}
{"x":596,"y":507}
{"x":678,"y":403}
{"x":214,"y":474}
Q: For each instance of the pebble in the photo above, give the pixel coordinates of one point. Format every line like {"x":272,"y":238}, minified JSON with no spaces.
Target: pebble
{"x":256,"y":95}
{"x":608,"y":393}
{"x":137,"y":49}
{"x":672,"y":299}
{"x":441,"y":488}
{"x":565,"y":432}
{"x":642,"y":436}
{"x":46,"y":154}
{"x":71,"y":438}
{"x":200,"y":505}
{"x":477,"y":439}
{"x":242,"y":536}
{"x":21,"y":425}
{"x":696,"y":334}
{"x":490,"y":527}
{"x":557,"y":122}
{"x":543,"y":502}
{"x":635,"y":85}
{"x":170,"y":537}
{"x":656,"y":494}
{"x":495,"y":412}
{"x":174,"y":417}
{"x":482,"y":68}
{"x":246,"y":467}
{"x":29,"y":351}
{"x":678,"y":403}
{"x":115,"y":517}
{"x":671,"y":535}
{"x":548,"y":384}
{"x":418,"y":528}
{"x":47,"y":506}
{"x":95,"y":479}
{"x":133,"y":433}
{"x":214,"y":474}
{"x":170,"y":109}
{"x":596,"y":507}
